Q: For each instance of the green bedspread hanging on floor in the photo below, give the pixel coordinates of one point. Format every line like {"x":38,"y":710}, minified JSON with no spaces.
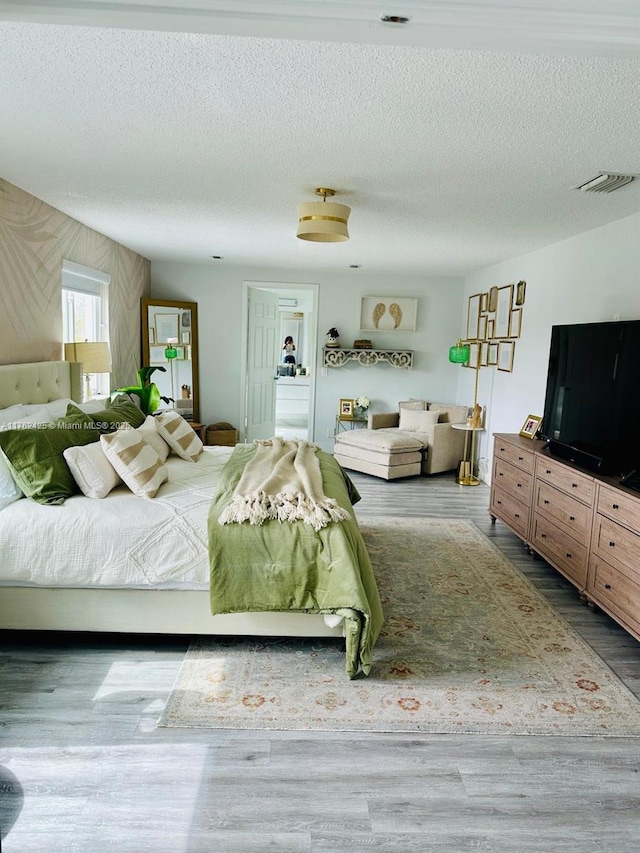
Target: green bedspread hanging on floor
{"x":289,"y":566}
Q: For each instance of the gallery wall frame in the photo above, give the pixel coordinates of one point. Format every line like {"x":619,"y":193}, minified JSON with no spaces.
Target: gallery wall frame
{"x":503,"y":311}
{"x":473,"y":317}
{"x":515,"y":323}
{"x":166,"y":328}
{"x":506,"y":350}
{"x":388,"y":313}
{"x":492,"y":354}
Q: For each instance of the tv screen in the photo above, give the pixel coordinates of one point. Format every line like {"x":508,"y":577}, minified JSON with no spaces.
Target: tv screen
{"x":592,"y":401}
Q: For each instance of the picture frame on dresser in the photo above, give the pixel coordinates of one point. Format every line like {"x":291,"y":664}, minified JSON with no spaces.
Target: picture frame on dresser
{"x":531,"y":426}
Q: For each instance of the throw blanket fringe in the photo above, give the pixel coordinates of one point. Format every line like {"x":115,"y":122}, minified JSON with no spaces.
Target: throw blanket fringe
{"x":282,"y":481}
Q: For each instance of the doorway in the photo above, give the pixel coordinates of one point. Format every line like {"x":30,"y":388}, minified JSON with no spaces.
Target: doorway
{"x":292,"y":393}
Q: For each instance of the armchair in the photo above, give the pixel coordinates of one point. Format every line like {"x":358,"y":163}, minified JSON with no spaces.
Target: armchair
{"x":417,"y":419}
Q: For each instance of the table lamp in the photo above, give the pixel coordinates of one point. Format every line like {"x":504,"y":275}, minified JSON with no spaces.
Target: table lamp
{"x":94,"y":357}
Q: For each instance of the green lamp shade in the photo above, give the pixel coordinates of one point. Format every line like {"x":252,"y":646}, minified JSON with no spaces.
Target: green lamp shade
{"x":171,"y":352}
{"x":459,"y":354}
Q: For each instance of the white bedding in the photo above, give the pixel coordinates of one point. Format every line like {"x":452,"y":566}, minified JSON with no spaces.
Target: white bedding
{"x":119,"y":541}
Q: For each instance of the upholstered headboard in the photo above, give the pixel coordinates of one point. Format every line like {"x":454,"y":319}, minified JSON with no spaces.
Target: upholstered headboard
{"x":39,"y":382}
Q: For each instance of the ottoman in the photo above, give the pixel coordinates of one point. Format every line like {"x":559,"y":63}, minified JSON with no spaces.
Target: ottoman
{"x":380,"y":453}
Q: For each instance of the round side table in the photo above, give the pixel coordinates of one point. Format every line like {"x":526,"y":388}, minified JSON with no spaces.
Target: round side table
{"x":466,"y":476}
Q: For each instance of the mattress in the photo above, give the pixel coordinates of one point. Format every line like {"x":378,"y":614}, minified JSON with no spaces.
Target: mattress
{"x":121,"y":541}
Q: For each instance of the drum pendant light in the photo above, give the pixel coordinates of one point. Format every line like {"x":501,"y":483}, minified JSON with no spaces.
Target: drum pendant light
{"x":322,"y":222}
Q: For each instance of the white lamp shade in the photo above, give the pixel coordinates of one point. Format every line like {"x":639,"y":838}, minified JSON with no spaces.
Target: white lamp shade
{"x":323,"y":221}
{"x":93,"y":355}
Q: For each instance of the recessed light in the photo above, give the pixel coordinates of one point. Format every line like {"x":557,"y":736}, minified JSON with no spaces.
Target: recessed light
{"x":216,"y":257}
{"x":394,"y":19}
{"x":354,"y":266}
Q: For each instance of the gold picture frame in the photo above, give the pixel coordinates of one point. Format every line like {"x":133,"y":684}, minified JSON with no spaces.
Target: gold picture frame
{"x":515,"y":323}
{"x":473,"y":316}
{"x":492,"y":354}
{"x":503,"y":311}
{"x":506,"y":350}
{"x":521,"y":289}
{"x":493,"y":299}
{"x":346,"y":409}
{"x":531,"y":426}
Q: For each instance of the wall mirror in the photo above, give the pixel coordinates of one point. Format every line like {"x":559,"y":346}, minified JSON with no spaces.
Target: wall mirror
{"x":170,"y":340}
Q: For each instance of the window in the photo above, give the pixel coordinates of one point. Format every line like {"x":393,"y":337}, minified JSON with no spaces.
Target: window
{"x":85,"y":311}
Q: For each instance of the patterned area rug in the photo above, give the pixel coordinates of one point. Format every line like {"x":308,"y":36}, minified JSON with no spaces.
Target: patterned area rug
{"x":469,"y":645}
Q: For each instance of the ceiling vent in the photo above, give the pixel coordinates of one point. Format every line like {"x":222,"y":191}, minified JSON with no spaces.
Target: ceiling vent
{"x":605,"y":182}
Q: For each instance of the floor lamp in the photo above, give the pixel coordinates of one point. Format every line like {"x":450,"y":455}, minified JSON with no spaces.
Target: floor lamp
{"x":170,"y":354}
{"x":94,"y":356}
{"x":460,"y":354}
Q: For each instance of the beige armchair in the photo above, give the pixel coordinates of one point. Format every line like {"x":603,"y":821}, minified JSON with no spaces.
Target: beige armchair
{"x":444,"y":445}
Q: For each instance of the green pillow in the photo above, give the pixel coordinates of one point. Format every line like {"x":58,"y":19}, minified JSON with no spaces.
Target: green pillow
{"x":35,"y":456}
{"x":122,"y":411}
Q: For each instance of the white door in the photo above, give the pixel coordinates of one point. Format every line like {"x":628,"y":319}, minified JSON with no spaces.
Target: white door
{"x":262,"y":359}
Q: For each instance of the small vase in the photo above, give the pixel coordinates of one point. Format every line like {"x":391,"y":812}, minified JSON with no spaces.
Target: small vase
{"x":361,"y":413}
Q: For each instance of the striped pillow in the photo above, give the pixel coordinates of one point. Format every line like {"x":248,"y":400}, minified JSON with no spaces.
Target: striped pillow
{"x":136,"y":461}
{"x":179,"y":435}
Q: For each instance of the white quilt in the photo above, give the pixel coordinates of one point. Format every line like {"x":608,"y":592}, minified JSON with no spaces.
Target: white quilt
{"x":119,"y":541}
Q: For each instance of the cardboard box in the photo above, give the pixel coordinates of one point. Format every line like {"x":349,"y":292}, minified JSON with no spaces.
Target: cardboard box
{"x":226,"y":437}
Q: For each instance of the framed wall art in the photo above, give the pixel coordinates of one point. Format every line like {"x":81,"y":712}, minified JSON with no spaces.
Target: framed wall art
{"x":506,"y":350}
{"x":521,"y":289}
{"x":503,"y":311}
{"x":156,"y":355}
{"x":492,"y":354}
{"x":166,"y":328}
{"x":515,"y":323}
{"x":493,"y":299}
{"x":388,"y":313}
{"x":473,"y":316}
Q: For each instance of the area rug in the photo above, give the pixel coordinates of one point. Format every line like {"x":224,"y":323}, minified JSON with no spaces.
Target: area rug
{"x":468,"y":645}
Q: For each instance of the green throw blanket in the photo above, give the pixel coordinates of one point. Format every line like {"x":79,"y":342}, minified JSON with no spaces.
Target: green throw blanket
{"x":288,"y":566}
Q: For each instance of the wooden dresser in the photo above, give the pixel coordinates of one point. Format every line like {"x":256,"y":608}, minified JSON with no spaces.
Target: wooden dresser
{"x":586,"y":526}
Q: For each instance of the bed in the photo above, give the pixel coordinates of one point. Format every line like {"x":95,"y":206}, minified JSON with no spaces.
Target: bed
{"x":123,"y":563}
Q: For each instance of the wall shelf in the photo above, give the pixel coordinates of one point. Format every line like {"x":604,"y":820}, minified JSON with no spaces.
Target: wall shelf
{"x":338,"y":357}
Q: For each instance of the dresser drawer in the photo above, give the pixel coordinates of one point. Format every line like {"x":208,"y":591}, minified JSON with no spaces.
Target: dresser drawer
{"x":562,"y":550}
{"x":511,"y":511}
{"x":615,"y":592}
{"x":620,"y":507}
{"x":569,"y":513}
{"x":515,"y":455}
{"x":617,"y":545}
{"x":572,"y":482}
{"x":512,"y":480}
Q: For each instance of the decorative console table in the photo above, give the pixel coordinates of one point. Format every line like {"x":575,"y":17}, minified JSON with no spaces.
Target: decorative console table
{"x":338,"y":357}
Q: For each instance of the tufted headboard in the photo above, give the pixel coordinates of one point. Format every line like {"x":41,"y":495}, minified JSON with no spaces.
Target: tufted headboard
{"x":39,"y":382}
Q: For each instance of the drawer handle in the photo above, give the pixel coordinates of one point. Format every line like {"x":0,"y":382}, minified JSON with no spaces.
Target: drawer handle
{"x":543,"y":535}
{"x":516,"y":515}
{"x":568,"y":555}
{"x":500,"y":474}
{"x":574,"y":485}
{"x":545,"y":501}
{"x":607,"y":586}
{"x":499,"y":503}
{"x":572,"y":518}
{"x":520,"y":458}
{"x":519,"y":485}
{"x":548,"y":471}
{"x":612,"y":544}
{"x":615,"y":506}
{"x":502,"y":450}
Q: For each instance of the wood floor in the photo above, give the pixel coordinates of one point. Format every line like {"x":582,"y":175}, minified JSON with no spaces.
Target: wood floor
{"x":84,"y":769}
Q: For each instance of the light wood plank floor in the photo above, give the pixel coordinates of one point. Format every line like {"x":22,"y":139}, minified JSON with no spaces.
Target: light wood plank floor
{"x":84,"y":769}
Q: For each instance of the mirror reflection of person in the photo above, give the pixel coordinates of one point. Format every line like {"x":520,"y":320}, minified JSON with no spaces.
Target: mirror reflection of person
{"x":288,"y":350}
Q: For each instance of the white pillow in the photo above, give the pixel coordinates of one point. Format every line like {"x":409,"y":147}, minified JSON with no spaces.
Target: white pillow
{"x":91,"y":470}
{"x":13,"y":413}
{"x":412,"y":404}
{"x":149,"y":431}
{"x":179,"y":435}
{"x":135,"y":461}
{"x":414,"y":420}
{"x":9,"y":489}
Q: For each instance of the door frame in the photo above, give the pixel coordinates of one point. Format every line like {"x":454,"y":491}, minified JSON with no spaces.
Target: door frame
{"x":283,"y":288}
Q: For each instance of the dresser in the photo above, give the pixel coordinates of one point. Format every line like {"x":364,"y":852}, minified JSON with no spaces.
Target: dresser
{"x":584,"y":525}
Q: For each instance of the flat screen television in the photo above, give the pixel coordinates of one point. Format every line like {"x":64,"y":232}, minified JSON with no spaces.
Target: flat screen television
{"x":592,"y":401}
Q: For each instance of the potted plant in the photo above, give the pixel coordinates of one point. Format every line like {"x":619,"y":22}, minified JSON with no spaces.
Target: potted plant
{"x":146,"y":391}
{"x":333,"y":337}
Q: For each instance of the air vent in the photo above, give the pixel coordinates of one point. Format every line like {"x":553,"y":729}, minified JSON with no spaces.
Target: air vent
{"x":605,"y":182}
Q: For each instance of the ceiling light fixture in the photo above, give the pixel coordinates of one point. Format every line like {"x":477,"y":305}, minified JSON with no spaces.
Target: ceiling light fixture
{"x":323,"y":222}
{"x":394,"y":19}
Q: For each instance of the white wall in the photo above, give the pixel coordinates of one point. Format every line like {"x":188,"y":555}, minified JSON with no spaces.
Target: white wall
{"x":591,"y":277}
{"x":218,"y":292}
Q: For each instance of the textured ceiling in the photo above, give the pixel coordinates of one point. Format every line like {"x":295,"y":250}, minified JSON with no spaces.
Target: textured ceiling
{"x":184,"y":145}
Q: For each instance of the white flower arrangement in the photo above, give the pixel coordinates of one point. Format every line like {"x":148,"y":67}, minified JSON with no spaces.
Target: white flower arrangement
{"x":362,"y":403}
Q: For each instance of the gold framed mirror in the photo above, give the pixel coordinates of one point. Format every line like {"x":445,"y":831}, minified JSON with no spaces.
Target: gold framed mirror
{"x":170,"y":340}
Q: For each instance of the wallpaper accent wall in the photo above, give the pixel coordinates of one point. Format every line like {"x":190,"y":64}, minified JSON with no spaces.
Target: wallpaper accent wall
{"x":34,"y":240}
